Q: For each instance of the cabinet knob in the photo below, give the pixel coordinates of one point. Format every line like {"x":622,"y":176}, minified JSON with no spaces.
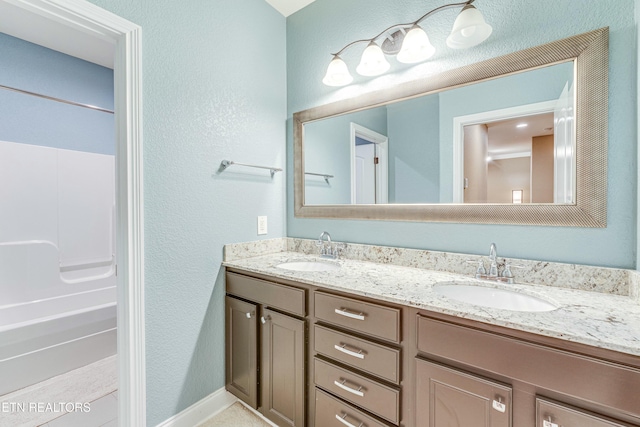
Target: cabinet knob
{"x":549,"y":423}
{"x":250,"y":315}
{"x":265,"y":319}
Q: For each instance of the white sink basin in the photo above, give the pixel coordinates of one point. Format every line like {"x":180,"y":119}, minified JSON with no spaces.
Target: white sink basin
{"x":493,"y":297}
{"x":309,"y":266}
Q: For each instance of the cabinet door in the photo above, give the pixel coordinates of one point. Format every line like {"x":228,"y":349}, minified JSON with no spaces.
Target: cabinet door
{"x":241,"y":350}
{"x":449,"y":398}
{"x":283,"y":369}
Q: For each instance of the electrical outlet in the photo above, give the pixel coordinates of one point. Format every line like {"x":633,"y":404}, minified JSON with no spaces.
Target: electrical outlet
{"x":262,"y":225}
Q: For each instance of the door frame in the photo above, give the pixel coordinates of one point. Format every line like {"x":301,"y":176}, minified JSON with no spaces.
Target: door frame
{"x":98,"y":23}
{"x":485,"y":117}
{"x":382,"y":168}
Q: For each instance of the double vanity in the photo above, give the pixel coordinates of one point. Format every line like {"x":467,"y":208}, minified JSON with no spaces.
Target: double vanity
{"x":351,"y":342}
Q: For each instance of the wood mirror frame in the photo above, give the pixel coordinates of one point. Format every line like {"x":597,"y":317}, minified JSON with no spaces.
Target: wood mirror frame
{"x":591,"y":54}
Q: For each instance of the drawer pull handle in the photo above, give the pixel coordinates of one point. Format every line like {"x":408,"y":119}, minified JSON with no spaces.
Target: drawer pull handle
{"x":343,"y":420}
{"x":343,"y":348}
{"x":349,"y":389}
{"x":346,"y":313}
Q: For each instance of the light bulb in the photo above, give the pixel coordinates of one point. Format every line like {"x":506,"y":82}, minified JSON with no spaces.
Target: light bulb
{"x":373,"y":62}
{"x":337,"y":73}
{"x":469,"y":29}
{"x":416,"y":46}
{"x":468,"y":32}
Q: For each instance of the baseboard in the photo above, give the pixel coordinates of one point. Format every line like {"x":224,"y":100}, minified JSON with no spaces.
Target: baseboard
{"x":202,"y":410}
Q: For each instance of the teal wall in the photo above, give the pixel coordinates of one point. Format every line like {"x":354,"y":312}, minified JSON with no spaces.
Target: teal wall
{"x":214,"y":88}
{"x":28,"y":119}
{"x":414,"y":140}
{"x":637,"y":93}
{"x":327,"y":25}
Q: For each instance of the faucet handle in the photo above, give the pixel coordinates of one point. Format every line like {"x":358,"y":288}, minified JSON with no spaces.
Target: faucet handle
{"x":480,"y":270}
{"x":507,"y":269}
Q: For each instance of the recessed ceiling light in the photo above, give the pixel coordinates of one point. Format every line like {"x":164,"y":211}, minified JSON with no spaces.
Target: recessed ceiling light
{"x":522,"y":125}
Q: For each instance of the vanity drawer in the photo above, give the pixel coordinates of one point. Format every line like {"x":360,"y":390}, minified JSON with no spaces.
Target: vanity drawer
{"x":286,"y":298}
{"x":375,"y":359}
{"x":329,"y":409}
{"x":551,"y":414}
{"x":376,"y":398}
{"x":371,"y":319}
{"x":549,"y":368}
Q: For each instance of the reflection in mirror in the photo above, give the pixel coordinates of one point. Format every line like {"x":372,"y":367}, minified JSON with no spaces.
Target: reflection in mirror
{"x":461,"y":145}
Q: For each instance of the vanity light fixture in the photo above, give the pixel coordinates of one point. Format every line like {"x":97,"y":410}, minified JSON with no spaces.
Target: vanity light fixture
{"x":411,"y":44}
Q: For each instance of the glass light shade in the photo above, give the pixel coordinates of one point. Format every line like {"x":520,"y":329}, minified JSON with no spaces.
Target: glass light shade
{"x":416,"y":46}
{"x":469,"y":29}
{"x":373,"y":62}
{"x":337,"y":73}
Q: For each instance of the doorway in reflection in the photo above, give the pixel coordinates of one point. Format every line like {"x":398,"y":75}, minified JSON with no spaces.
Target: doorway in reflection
{"x":510,"y":155}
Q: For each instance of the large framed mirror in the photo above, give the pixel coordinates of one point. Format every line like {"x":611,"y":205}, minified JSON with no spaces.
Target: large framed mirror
{"x":518,"y":139}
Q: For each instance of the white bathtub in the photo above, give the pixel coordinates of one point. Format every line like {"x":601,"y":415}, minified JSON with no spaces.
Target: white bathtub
{"x":42,"y":338}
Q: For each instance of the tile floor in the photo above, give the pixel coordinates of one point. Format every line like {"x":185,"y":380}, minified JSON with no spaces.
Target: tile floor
{"x":236,"y":415}
{"x":94,"y":384}
{"x":103,"y":413}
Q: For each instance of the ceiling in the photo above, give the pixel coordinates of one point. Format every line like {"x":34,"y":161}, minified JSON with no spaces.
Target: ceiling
{"x":17,"y":22}
{"x":289,"y":7}
{"x":506,"y":138}
{"x":33,"y":28}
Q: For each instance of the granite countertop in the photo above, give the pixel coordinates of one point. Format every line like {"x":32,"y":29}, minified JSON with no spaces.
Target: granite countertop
{"x":601,"y":320}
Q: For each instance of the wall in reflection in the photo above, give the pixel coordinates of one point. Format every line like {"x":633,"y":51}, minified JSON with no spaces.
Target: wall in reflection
{"x":421,"y":138}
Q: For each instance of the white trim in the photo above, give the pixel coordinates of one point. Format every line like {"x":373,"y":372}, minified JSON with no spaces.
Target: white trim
{"x":100,"y":24}
{"x":510,"y":155}
{"x":202,"y":410}
{"x":485,"y":117}
{"x":382,"y":169}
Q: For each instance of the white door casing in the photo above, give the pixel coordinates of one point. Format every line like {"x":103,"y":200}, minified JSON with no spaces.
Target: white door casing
{"x":97,"y":24}
{"x":564,"y":147}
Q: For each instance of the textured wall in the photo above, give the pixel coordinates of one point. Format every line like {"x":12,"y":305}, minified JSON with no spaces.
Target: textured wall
{"x":637,"y":105}
{"x":327,"y":25}
{"x":31,"y":120}
{"x":214,"y":88}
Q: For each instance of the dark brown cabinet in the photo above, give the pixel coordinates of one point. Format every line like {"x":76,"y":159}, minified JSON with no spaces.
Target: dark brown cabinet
{"x":282,"y":368}
{"x":266,"y":348}
{"x":310,"y":357}
{"x":447,"y":397}
{"x":242,"y":350}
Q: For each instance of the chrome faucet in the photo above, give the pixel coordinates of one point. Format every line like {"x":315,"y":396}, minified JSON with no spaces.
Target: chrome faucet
{"x":493,"y":257}
{"x":328,"y":249}
{"x":494,"y":273}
